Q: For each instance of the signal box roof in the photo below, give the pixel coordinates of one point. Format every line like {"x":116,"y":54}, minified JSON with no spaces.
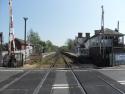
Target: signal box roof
{"x":108,"y":32}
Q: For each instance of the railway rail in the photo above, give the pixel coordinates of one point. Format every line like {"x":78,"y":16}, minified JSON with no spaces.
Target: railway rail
{"x":52,"y":68}
{"x":87,"y":81}
{"x":5,"y":88}
{"x":82,"y":86}
{"x":72,"y":71}
{"x":55,"y":57}
{"x":77,"y":76}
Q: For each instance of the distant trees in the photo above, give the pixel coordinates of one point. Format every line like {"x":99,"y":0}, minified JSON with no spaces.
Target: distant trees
{"x":70,"y":45}
{"x":33,"y":37}
{"x":49,"y":45}
{"x":39,"y":45}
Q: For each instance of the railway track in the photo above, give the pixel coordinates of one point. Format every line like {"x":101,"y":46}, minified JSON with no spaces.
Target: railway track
{"x":26,"y":74}
{"x":83,"y":88}
{"x":80,"y":84}
{"x":76,"y":78}
{"x":50,"y":70}
{"x":43,"y":81}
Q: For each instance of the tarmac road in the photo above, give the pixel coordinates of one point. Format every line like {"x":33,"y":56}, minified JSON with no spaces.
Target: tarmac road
{"x":58,"y":81}
{"x":116,"y":74}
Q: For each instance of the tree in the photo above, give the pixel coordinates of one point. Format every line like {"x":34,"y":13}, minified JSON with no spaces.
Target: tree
{"x":39,"y":45}
{"x":33,"y":37}
{"x":49,"y":45}
{"x":70,"y":44}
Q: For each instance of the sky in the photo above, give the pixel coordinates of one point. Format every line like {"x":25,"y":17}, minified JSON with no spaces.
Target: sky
{"x":59,"y":20}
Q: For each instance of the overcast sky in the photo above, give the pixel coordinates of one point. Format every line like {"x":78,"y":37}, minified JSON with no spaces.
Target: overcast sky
{"x":58,"y":20}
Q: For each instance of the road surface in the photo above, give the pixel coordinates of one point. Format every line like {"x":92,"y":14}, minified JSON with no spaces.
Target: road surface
{"x":62,"y":81}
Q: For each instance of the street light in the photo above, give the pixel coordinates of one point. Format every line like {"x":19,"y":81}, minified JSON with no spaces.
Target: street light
{"x":25,"y":20}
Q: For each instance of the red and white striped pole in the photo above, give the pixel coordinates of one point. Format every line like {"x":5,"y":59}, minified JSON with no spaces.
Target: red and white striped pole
{"x":11,"y":30}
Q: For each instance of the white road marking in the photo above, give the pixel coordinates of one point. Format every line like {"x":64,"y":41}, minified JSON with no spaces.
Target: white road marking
{"x":60,"y":86}
{"x":122,"y":82}
{"x":63,"y":70}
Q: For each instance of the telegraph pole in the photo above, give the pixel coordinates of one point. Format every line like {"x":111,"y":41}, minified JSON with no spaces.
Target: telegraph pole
{"x":118,"y":26}
{"x":102,"y":31}
{"x":102,"y":19}
{"x":25,"y":20}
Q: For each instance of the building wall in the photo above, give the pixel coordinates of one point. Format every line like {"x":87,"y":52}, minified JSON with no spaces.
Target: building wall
{"x":97,"y":42}
{"x":29,"y":50}
{"x":22,"y":47}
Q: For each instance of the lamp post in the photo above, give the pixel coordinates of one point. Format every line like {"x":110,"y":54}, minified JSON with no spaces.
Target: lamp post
{"x":25,"y":20}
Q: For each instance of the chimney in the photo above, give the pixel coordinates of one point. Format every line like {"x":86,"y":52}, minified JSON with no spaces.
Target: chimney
{"x":116,"y":30}
{"x":97,"y":32}
{"x":79,"y":35}
{"x":87,"y":35}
